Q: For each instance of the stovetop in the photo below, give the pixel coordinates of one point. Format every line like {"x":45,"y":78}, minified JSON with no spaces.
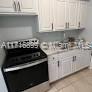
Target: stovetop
{"x":22,"y":55}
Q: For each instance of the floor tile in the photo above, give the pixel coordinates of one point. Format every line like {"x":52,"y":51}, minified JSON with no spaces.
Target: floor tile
{"x":82,"y":86}
{"x":69,"y":89}
{"x":77,"y":82}
{"x":53,"y":90}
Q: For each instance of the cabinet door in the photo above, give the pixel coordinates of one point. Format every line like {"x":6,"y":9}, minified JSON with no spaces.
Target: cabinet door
{"x":53,"y":68}
{"x":7,"y":6}
{"x":28,"y":5}
{"x":78,"y":62}
{"x":85,"y":58}
{"x":82,"y":13}
{"x":45,"y":15}
{"x":72,"y":14}
{"x":59,"y":15}
{"x":66,"y":66}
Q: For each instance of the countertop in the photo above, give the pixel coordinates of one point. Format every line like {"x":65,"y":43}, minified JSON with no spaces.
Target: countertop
{"x":56,"y":51}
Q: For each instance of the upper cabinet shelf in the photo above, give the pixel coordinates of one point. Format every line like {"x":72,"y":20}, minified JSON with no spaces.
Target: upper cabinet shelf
{"x":18,"y":7}
{"x":58,"y":15}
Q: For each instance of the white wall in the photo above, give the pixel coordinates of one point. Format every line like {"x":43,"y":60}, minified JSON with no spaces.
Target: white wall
{"x":88,"y":32}
{"x":15,"y":27}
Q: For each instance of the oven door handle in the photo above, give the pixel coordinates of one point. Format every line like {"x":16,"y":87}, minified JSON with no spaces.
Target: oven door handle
{"x":26,"y":65}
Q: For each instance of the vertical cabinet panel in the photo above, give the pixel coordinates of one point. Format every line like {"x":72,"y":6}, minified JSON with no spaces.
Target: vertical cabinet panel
{"x":59,"y":14}
{"x":78,"y":62}
{"x":66,"y":67}
{"x":82,"y":60}
{"x":82,"y":13}
{"x":85,"y":58}
{"x":72,"y":12}
{"x":53,"y":68}
{"x":45,"y":15}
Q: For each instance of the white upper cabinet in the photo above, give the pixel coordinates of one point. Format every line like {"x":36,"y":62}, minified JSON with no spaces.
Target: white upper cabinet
{"x":7,"y":6}
{"x":59,"y":19}
{"x":72,"y":14}
{"x":59,"y":15}
{"x":82,"y":13}
{"x":45,"y":15}
{"x":18,"y":6}
{"x":27,"y":5}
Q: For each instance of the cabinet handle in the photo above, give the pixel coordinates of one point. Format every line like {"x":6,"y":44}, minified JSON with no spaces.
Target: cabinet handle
{"x":73,"y":58}
{"x":52,"y":26}
{"x":18,"y":6}
{"x":79,"y":24}
{"x":58,"y":63}
{"x":66,"y":25}
{"x":14,"y":6}
{"x":53,"y":58}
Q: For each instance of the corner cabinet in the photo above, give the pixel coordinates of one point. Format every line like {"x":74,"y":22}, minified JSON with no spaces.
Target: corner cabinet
{"x":18,"y":6}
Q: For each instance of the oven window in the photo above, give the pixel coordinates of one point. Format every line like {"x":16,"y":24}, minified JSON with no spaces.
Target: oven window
{"x":23,"y":79}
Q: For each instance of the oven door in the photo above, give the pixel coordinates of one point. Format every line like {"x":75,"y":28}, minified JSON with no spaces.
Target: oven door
{"x":26,"y":76}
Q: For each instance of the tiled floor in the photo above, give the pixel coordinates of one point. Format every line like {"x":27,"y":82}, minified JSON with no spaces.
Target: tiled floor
{"x":78,"y":82}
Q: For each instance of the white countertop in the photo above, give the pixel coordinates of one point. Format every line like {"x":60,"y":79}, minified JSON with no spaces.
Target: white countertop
{"x":51,"y":52}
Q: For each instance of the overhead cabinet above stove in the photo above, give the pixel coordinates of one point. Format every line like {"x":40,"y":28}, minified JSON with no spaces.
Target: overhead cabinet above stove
{"x":17,"y":6}
{"x":60,"y":15}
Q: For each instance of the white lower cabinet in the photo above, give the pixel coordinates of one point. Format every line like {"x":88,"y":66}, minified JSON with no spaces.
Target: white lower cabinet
{"x":60,"y":66}
{"x":66,"y":66}
{"x":53,"y":68}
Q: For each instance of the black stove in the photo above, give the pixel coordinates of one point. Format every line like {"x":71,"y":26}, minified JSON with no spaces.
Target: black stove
{"x":25,"y":68}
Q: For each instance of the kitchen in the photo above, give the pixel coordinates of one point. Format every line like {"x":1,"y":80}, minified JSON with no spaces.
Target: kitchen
{"x":62,"y":31}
